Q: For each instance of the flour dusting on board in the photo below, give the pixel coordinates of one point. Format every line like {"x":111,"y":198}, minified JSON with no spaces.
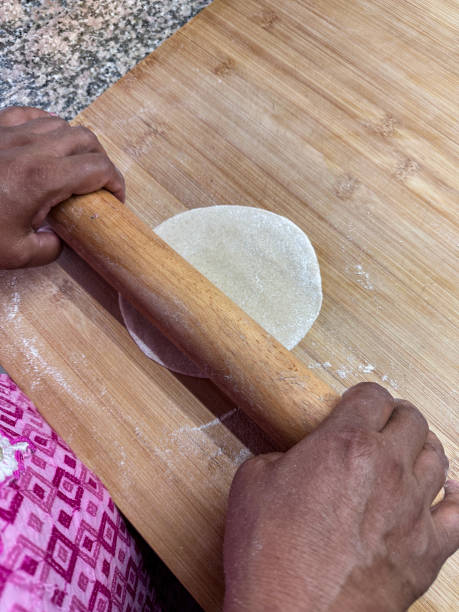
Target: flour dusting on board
{"x":346,"y":371}
{"x":210,"y":452}
{"x":243,"y":455}
{"x":362,"y":277}
{"x":366,"y":368}
{"x":189,"y":439}
{"x":393,"y":383}
{"x":36,"y":364}
{"x":42,"y":370}
{"x":204,"y":442}
{"x":13,"y":306}
{"x":205,"y":426}
{"x":316,"y":364}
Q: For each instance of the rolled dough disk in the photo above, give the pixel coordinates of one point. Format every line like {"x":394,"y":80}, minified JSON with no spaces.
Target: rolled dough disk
{"x":262,"y":261}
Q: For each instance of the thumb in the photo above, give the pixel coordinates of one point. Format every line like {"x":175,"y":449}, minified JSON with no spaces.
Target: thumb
{"x":43,"y":247}
{"x":446,"y":517}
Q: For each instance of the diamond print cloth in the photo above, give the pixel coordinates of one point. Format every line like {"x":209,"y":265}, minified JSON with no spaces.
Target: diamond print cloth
{"x":63,"y":543}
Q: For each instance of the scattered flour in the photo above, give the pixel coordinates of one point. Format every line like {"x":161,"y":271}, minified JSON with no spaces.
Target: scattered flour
{"x":363,"y":278}
{"x":121,"y":452}
{"x":343,"y":371}
{"x":35,"y":360}
{"x":41,"y":370}
{"x":13,"y":306}
{"x":194,"y":441}
{"x":243,"y":455}
{"x":347,"y":370}
{"x":189,"y":430}
{"x":393,"y":383}
{"x":316,"y":364}
{"x":366,"y":368}
{"x":216,"y":421}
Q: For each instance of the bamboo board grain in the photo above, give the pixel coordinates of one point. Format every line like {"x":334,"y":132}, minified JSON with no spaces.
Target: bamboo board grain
{"x":336,"y":114}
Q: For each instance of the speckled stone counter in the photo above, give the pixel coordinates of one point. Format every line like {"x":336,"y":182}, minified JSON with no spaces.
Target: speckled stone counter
{"x":60,"y":55}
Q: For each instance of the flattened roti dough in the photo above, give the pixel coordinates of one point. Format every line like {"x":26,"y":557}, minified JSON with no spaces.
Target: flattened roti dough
{"x":262,"y":261}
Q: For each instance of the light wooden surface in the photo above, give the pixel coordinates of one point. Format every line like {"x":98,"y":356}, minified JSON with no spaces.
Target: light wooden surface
{"x":337,"y":114}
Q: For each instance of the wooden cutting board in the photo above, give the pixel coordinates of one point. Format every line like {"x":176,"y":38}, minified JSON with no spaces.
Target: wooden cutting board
{"x":336,"y":114}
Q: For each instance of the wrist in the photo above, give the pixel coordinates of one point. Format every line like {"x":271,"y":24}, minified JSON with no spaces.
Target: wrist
{"x":264,"y":585}
{"x":276,"y":587}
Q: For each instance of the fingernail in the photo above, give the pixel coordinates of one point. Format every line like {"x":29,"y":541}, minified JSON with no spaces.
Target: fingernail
{"x":53,"y":114}
{"x":45,"y":228}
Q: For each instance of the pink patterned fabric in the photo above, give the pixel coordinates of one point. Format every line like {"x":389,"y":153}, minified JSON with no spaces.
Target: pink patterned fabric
{"x":63,"y":543}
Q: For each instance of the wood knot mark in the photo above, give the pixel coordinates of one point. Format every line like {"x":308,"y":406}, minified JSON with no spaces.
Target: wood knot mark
{"x":406,"y":168}
{"x":345,"y":186}
{"x":267,"y":19}
{"x":225,"y":67}
{"x":386,"y":127}
{"x":159,"y":130}
{"x":144,"y":145}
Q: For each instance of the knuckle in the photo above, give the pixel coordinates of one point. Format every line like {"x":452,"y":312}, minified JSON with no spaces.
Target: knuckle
{"x":450,"y":521}
{"x":85,"y":135}
{"x":428,"y":557}
{"x":14,"y":113}
{"x":413,"y":418}
{"x":434,"y":441}
{"x":102,"y":163}
{"x":406,"y":405}
{"x":55,"y":127}
{"x":366,"y":389}
{"x":89,"y":167}
{"x":99,"y":167}
{"x":444,"y":460}
{"x":107,"y":167}
{"x":108,"y":164}
{"x":414,"y":413}
{"x":433,"y":444}
{"x":58,"y":122}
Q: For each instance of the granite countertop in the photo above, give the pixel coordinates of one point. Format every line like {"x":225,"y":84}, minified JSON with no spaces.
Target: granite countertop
{"x":60,"y":55}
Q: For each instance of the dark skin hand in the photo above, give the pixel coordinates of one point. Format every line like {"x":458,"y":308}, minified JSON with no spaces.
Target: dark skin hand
{"x":43,"y":161}
{"x":343,"y":521}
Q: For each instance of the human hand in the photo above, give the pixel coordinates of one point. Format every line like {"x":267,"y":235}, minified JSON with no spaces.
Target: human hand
{"x":43,"y":161}
{"x":343,"y":520}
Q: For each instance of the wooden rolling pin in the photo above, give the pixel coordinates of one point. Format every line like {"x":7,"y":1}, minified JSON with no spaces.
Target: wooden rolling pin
{"x":268,"y":382}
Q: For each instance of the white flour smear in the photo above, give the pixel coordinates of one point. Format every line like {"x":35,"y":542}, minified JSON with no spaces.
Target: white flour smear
{"x":36,"y":363}
{"x":362,"y":277}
